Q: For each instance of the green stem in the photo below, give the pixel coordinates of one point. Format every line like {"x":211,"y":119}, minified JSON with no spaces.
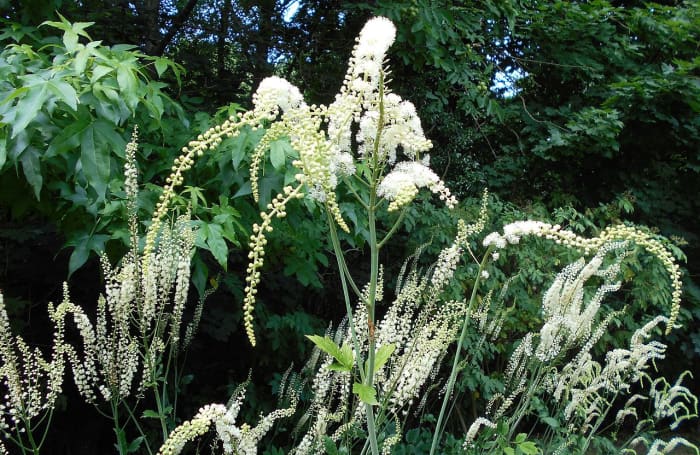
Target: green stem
{"x":138,"y":427}
{"x":346,"y":294}
{"x":393,"y":229}
{"x":161,"y":415}
{"x":371,"y":301}
{"x":346,"y":277}
{"x":121,"y":439}
{"x":455,"y":364}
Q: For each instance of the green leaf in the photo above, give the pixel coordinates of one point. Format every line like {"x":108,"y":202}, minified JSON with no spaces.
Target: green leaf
{"x":277,"y":153}
{"x":382,"y":355}
{"x":31,"y":165}
{"x":150,"y":414}
{"x":28,"y":107}
{"x":329,"y":445}
{"x":99,"y":72}
{"x":3,"y":152}
{"x":529,"y":448}
{"x":161,"y":65}
{"x":135,"y":444}
{"x":83,"y":245}
{"x":342,"y":355}
{"x":217,"y":245}
{"x":95,"y":161}
{"x":64,"y":92}
{"x":367,"y":394}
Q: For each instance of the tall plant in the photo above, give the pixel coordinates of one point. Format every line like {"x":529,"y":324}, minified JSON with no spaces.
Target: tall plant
{"x":368,"y":146}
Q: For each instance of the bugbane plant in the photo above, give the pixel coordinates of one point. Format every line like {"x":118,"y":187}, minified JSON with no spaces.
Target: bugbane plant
{"x":368,"y":146}
{"x":132,"y":346}
{"x":29,"y":385}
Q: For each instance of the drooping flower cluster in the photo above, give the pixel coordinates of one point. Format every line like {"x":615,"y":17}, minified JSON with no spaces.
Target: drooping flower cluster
{"x":401,"y":185}
{"x":513,"y":232}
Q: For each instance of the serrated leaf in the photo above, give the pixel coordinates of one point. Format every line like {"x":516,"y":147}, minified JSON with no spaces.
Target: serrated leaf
{"x":342,"y":355}
{"x":217,"y":245}
{"x":382,"y":355}
{"x":367,"y":394}
{"x":135,"y":444}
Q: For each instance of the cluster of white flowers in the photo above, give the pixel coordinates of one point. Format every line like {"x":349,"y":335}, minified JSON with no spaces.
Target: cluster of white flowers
{"x":419,"y":332}
{"x":401,"y":185}
{"x":235,"y":439}
{"x":675,"y":401}
{"x":513,"y":232}
{"x":29,"y":384}
{"x":567,"y":317}
{"x":275,"y":93}
{"x":474,"y":429}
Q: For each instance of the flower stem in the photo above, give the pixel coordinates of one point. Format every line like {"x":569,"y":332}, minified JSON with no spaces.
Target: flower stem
{"x":455,"y":364}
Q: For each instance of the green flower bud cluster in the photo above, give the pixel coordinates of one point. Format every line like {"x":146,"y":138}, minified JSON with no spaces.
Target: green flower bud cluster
{"x":210,"y":139}
{"x":258,"y":241}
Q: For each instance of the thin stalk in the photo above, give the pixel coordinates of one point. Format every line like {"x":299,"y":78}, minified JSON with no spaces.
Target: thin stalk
{"x":138,"y":427}
{"x":117,"y":429}
{"x":46,"y":426}
{"x":374,"y":274}
{"x":346,"y":295}
{"x":598,"y":423}
{"x":340,"y":257}
{"x":393,"y":229}
{"x":159,"y":406}
{"x":455,"y":364}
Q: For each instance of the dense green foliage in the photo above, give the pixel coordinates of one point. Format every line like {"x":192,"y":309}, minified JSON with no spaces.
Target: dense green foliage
{"x":580,"y":113}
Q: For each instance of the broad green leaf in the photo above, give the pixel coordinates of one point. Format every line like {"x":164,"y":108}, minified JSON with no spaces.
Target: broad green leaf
{"x":277,"y":153}
{"x":330,"y":446}
{"x":83,"y":244}
{"x":65,"y":92}
{"x":367,"y":394}
{"x":28,"y":107}
{"x":95,"y":162}
{"x":127,"y":84}
{"x":99,"y":72}
{"x":31,"y":165}
{"x":217,"y":245}
{"x":529,"y":448}
{"x":382,"y":355}
{"x":161,"y":65}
